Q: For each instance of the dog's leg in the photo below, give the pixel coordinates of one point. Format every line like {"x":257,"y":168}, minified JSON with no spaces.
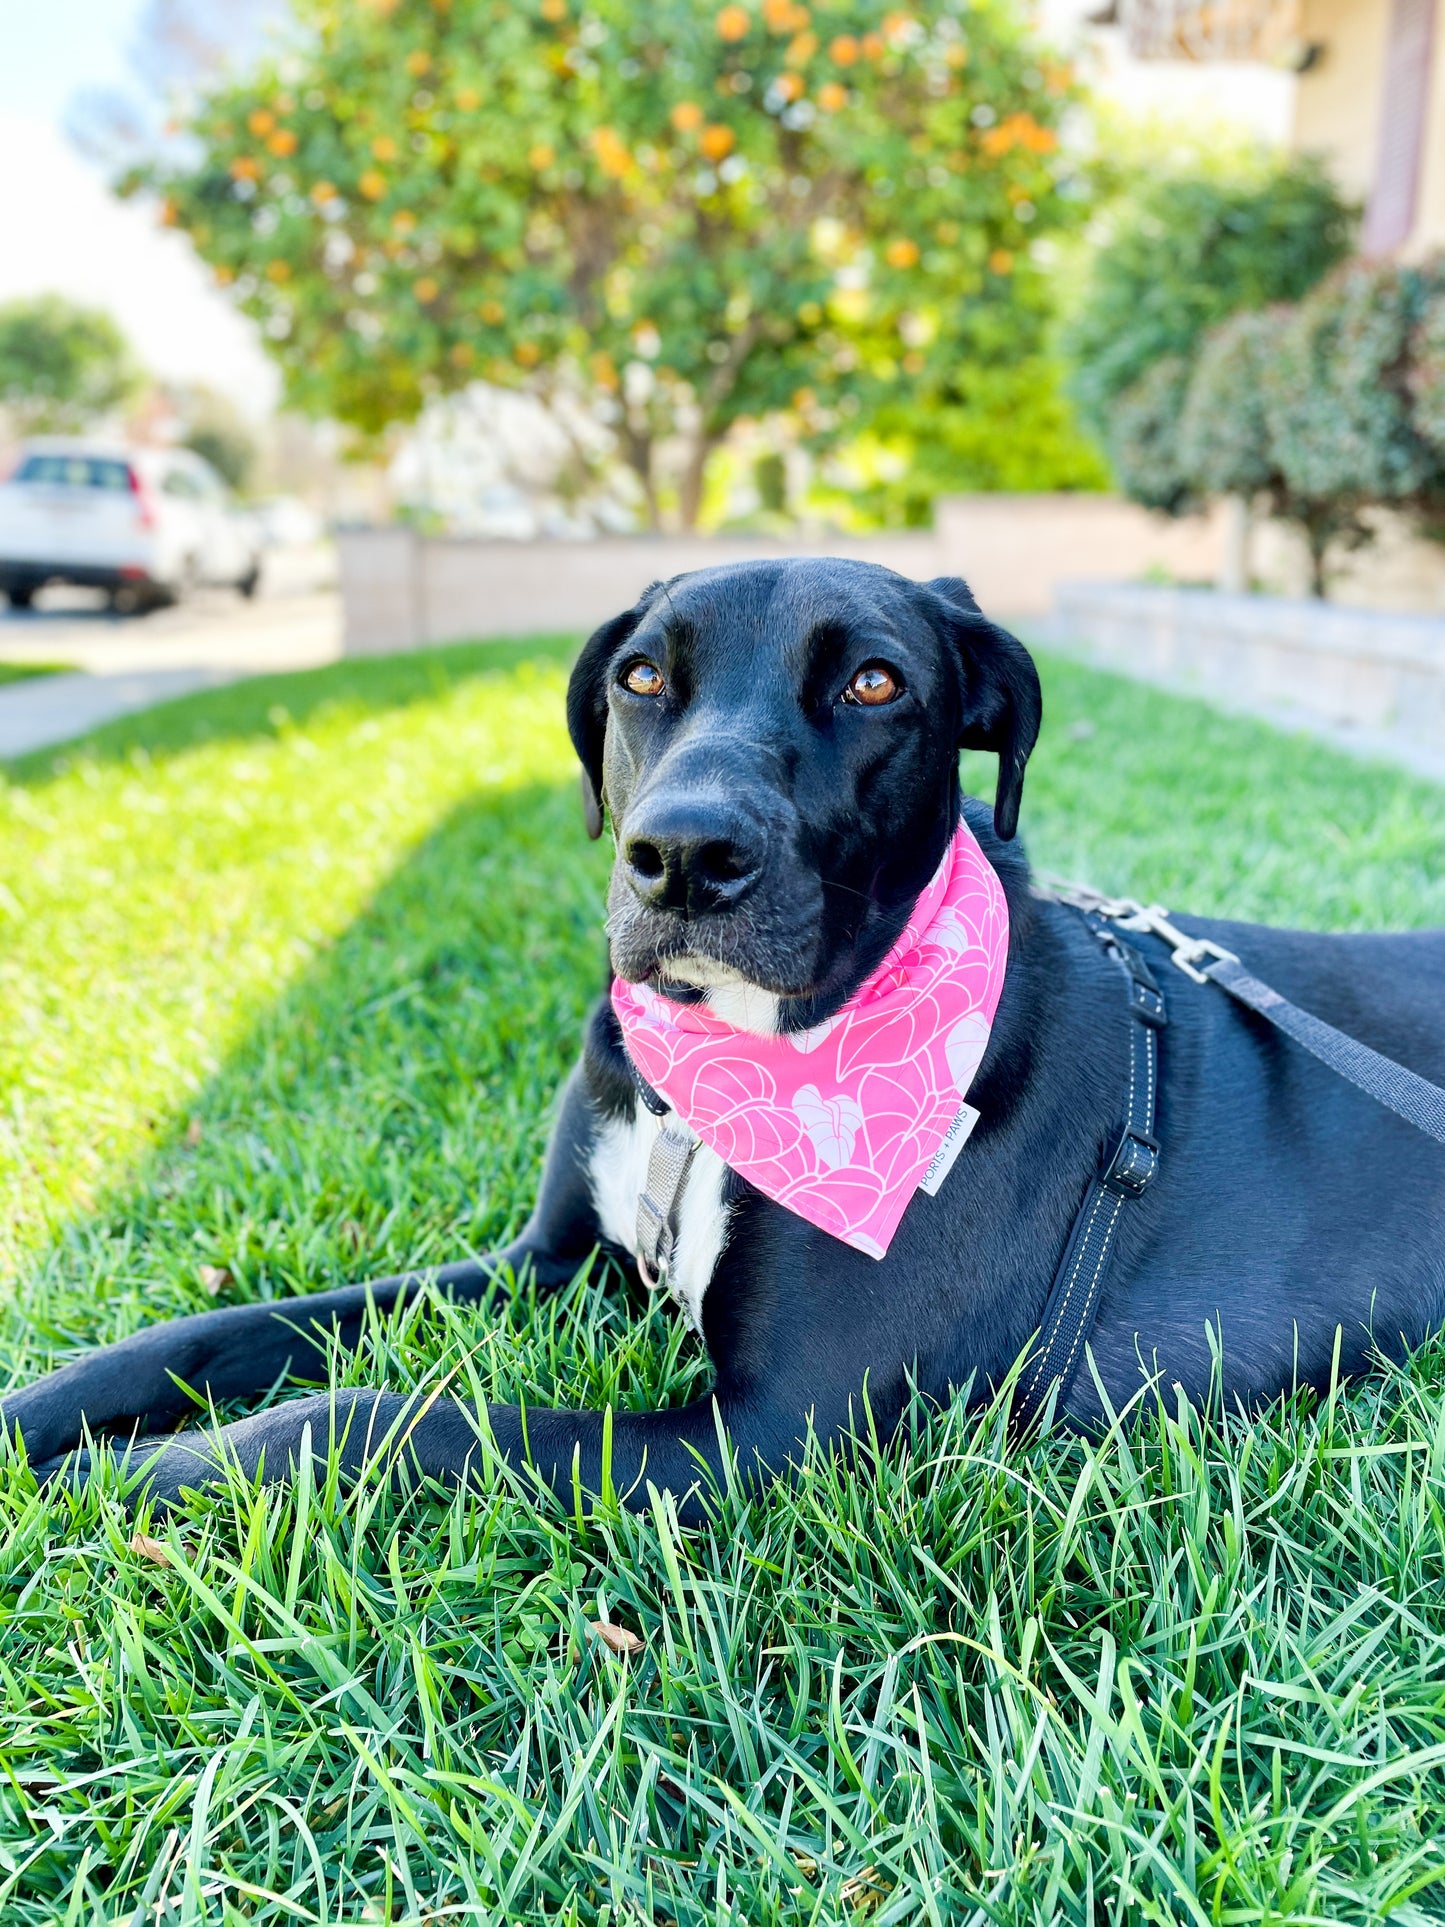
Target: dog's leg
{"x":677,"y":1451}
{"x":136,"y":1385}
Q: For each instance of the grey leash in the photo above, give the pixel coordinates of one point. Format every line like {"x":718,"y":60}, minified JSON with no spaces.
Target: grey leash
{"x":1402,"y":1091}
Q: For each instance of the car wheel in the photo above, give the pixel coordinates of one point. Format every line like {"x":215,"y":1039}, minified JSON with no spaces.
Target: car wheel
{"x":20,"y":595}
{"x":251,"y":581}
{"x":128,"y":599}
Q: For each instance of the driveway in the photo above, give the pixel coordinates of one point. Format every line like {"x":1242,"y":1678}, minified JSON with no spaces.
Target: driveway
{"x":123,"y":663}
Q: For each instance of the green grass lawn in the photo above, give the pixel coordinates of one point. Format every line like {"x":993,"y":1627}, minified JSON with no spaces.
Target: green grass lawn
{"x":288,"y":972}
{"x":27,"y":671}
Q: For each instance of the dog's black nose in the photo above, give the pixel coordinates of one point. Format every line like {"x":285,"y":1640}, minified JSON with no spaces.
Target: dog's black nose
{"x":691,"y":856}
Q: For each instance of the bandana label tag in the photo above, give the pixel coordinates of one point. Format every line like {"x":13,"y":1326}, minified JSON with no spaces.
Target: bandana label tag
{"x":953,"y":1143}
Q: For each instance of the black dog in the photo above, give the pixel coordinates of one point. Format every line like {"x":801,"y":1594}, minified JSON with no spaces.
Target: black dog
{"x":777,"y":745}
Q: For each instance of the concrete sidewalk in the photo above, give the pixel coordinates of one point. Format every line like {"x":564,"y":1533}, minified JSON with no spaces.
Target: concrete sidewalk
{"x":127,"y":665}
{"x":51,"y":709}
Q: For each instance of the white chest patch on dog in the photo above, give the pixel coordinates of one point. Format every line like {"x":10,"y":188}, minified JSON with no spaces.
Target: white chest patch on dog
{"x":617,"y":1173}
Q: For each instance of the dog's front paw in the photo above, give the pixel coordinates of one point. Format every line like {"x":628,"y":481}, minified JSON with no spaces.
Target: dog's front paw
{"x":47,"y":1418}
{"x":158,"y":1469}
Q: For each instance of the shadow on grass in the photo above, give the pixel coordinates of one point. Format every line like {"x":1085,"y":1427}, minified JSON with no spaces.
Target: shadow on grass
{"x":389,"y":1109}
{"x":263,"y":706}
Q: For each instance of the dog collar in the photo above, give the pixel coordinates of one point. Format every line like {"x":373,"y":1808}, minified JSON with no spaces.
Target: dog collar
{"x":842,"y":1123}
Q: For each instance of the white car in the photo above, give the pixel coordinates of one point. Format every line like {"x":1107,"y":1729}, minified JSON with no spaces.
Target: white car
{"x":144,"y":524}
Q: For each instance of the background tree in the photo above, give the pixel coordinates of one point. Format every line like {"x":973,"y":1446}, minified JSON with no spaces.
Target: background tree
{"x":1144,"y":438}
{"x":1227,"y":445}
{"x":61,"y":366}
{"x":1337,"y":402}
{"x":702,"y":213}
{"x":1182,"y":254}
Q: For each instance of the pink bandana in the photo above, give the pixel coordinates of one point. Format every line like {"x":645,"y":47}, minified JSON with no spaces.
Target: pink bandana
{"x":842,"y":1123}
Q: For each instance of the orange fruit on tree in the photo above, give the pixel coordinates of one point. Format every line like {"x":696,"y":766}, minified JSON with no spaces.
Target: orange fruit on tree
{"x":831,"y":97}
{"x":418,"y":62}
{"x":844,"y":50}
{"x":554,"y":10}
{"x":902,"y":253}
{"x":686,"y":116}
{"x":261,"y":121}
{"x":493,"y":313}
{"x":372,"y":184}
{"x":717,"y":141}
{"x":468,"y":99}
{"x":611,"y":151}
{"x":426,"y":289}
{"x":733,"y":23}
{"x":278,"y":271}
{"x":541,"y":156}
{"x":528,"y":353}
{"x":383,"y":148}
{"x":789,"y":86}
{"x":282,"y":142}
{"x":1001,"y":261}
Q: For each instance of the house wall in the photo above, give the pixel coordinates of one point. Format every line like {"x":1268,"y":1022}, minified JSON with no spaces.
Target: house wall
{"x":1430,"y":222}
{"x":1337,"y":103}
{"x":1340,"y":100}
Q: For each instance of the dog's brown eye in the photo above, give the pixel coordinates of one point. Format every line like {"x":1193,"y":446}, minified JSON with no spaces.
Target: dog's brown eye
{"x":873,"y":685}
{"x":643,"y":678}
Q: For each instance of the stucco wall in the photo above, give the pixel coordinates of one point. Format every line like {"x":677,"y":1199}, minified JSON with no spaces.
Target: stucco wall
{"x":403,"y":591}
{"x":1337,"y":103}
{"x":1371,"y":679}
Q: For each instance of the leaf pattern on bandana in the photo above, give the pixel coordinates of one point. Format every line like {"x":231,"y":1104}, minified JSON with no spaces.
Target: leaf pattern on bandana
{"x":840,"y":1122}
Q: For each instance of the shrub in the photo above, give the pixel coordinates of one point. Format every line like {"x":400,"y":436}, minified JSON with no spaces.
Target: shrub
{"x":1426,"y":377}
{"x":1145,"y":438}
{"x":1327,"y":410}
{"x":1225,"y":447}
{"x":1335,"y":391}
{"x":1188,"y":252}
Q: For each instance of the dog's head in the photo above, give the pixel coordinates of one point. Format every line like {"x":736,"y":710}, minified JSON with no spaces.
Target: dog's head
{"x":777,"y":744}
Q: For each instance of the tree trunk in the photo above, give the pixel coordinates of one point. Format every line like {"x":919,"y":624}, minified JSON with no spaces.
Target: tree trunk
{"x":637,"y":452}
{"x":689,"y":490}
{"x":1234,"y":562}
{"x":1319,"y":544}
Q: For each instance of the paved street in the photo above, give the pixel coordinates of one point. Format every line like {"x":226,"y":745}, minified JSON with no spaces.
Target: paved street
{"x":127,"y":663}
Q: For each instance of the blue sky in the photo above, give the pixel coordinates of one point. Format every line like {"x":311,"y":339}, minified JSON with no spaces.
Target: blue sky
{"x":61,"y":230}
{"x":52,"y":48}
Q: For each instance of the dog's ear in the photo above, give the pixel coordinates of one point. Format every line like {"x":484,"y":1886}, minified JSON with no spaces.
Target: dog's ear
{"x":587,"y":702}
{"x":1002,"y":703}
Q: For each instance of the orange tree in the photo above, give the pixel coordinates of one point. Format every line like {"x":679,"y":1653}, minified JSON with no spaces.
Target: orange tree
{"x":698,"y":213}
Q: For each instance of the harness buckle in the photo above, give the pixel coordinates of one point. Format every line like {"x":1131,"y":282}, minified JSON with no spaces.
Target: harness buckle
{"x":1134,"y":1165}
{"x":1150,"y":919}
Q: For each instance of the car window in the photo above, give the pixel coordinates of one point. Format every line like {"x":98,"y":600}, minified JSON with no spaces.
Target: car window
{"x":180,"y":482}
{"x":75,"y":471}
{"x":208,"y":484}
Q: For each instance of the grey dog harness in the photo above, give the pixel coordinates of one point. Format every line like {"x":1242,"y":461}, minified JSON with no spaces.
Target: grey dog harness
{"x":1073,"y":1300}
